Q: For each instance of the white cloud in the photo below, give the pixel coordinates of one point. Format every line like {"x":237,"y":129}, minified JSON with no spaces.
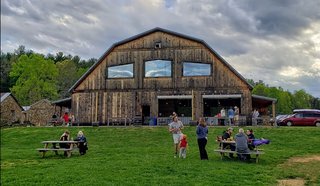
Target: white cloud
{"x":274,"y":41}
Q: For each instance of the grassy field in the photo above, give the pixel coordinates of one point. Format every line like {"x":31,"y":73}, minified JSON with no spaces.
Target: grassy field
{"x":144,"y":156}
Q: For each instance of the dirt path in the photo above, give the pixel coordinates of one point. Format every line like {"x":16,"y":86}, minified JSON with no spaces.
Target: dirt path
{"x":291,"y":162}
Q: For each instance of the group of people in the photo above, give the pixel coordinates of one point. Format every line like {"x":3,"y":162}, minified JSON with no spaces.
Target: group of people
{"x":180,"y":140}
{"x":244,"y":142}
{"x":68,"y":119}
{"x":80,"y":138}
{"x":232,"y":115}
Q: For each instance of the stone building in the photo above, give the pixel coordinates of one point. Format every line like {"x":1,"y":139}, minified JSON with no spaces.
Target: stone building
{"x":11,"y":110}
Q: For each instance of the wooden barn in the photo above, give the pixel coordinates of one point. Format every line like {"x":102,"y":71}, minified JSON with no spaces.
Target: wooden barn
{"x":11,"y":110}
{"x":155,"y":73}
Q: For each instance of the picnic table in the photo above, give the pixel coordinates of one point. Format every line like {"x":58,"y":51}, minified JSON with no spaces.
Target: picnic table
{"x":55,"y":147}
{"x":257,"y":152}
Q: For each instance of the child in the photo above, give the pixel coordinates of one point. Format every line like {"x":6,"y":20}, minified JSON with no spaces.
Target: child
{"x":82,"y":145}
{"x":183,"y":146}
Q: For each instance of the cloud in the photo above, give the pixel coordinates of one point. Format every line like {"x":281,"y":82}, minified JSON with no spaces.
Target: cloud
{"x":274,"y":41}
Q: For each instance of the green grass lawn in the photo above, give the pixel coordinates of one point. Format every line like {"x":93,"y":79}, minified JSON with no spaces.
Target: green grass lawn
{"x":144,"y":156}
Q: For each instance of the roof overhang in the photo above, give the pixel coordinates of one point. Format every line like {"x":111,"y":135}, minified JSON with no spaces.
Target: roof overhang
{"x":175,"y":97}
{"x":63,"y":102}
{"x":222,"y":96}
{"x":262,"y":101}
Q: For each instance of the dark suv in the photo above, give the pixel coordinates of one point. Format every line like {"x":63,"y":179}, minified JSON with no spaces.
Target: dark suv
{"x":302,"y":117}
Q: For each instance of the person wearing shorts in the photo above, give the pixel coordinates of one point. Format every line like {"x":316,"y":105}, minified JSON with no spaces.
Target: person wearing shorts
{"x":175,"y":128}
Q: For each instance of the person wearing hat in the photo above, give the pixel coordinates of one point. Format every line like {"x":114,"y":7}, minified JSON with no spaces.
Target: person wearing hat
{"x":228,"y":136}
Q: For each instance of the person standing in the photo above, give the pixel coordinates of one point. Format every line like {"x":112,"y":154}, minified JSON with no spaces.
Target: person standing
{"x":236,"y":115}
{"x":202,"y":132}
{"x":175,"y":128}
{"x":255,"y":116}
{"x":223,"y":116}
{"x":183,"y":146}
{"x":231,"y":115}
{"x":66,"y":118}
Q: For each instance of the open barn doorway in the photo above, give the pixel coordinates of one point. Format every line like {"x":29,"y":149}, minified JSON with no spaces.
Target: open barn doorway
{"x":212,"y":107}
{"x":182,"y":107}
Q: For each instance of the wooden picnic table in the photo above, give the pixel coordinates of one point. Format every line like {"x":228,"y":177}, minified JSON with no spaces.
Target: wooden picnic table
{"x":222,"y":151}
{"x":55,"y":147}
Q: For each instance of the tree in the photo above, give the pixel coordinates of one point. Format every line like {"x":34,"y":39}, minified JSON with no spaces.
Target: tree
{"x":5,"y":69}
{"x":302,"y":99}
{"x":68,"y":75}
{"x":35,"y":79}
{"x":260,"y":89}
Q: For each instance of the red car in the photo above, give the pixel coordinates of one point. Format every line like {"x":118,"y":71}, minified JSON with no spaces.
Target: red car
{"x":302,"y":117}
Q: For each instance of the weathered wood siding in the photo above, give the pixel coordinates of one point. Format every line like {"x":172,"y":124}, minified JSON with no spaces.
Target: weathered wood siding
{"x":97,"y":98}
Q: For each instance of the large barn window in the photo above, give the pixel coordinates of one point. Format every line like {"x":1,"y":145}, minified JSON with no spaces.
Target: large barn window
{"x":121,"y":71}
{"x":158,"y":68}
{"x":196,"y":69}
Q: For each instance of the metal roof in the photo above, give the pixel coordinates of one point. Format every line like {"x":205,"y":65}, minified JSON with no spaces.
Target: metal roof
{"x":222,"y":96}
{"x":264,"y":98}
{"x":175,"y":97}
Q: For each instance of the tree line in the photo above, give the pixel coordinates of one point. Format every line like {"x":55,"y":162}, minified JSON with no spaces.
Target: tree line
{"x":33,"y":76}
{"x":286,"y":101}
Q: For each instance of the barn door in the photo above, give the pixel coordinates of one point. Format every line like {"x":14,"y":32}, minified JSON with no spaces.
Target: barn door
{"x":145,"y":114}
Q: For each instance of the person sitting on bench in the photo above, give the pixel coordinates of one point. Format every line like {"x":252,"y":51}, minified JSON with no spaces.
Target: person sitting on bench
{"x":65,"y":137}
{"x":227,"y":136}
{"x":82,"y":145}
{"x":242,"y":145}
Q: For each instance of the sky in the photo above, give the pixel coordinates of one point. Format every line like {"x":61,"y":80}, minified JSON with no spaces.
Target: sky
{"x":276,"y":41}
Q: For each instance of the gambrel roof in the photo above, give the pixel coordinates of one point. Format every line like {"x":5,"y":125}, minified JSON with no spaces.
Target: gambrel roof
{"x":157,"y":29}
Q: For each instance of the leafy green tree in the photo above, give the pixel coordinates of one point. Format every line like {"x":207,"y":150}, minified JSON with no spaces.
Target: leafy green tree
{"x":4,"y":71}
{"x":302,"y":99}
{"x":260,"y":89}
{"x":35,"y":79}
{"x":68,"y":75}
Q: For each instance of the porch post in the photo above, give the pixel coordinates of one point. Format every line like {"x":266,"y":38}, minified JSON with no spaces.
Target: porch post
{"x":193,"y":103}
{"x":274,"y":113}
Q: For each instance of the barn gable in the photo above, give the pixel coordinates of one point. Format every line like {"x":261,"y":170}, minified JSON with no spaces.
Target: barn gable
{"x":146,"y":41}
{"x":157,"y":72}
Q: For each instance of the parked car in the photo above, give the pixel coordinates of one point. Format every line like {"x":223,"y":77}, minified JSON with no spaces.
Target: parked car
{"x":281,"y":117}
{"x":302,"y":117}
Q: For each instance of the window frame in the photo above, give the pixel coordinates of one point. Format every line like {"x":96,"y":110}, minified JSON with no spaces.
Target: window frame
{"x":168,"y":60}
{"x":107,"y":71}
{"x":200,"y":63}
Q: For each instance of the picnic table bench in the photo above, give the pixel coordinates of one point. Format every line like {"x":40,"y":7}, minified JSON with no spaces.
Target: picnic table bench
{"x":257,"y":152}
{"x":55,"y":148}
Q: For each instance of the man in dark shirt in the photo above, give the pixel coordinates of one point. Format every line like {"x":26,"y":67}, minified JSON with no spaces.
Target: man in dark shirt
{"x":226,"y":136}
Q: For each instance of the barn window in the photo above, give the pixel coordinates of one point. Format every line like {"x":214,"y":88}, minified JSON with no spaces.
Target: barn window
{"x":158,"y":68}
{"x":121,"y":71}
{"x":196,"y":69}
